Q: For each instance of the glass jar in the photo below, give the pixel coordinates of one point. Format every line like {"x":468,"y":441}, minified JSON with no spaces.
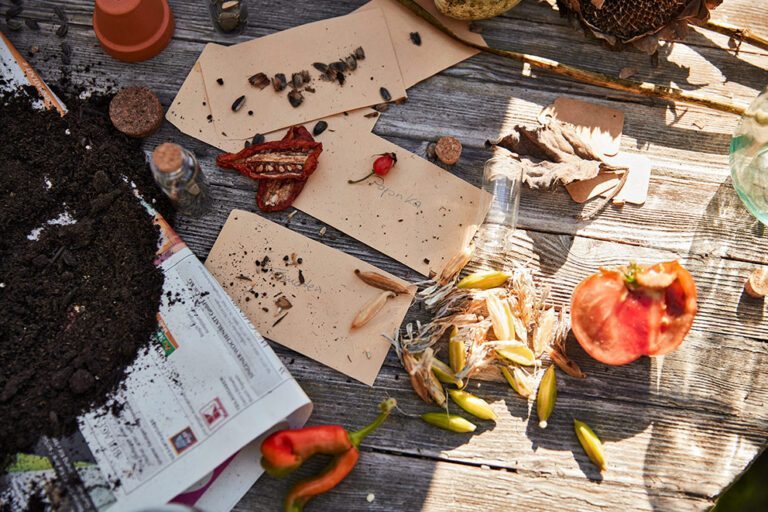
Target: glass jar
{"x":178,"y":173}
{"x":229,"y":16}
{"x":749,"y":158}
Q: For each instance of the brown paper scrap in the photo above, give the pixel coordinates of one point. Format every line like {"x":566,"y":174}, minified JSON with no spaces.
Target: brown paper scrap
{"x":436,"y":52}
{"x":253,"y":260}
{"x":295,"y":50}
{"x":190,"y":113}
{"x":418,"y":214}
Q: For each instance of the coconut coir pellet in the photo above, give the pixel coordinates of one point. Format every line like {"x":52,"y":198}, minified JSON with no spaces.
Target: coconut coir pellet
{"x":78,"y":303}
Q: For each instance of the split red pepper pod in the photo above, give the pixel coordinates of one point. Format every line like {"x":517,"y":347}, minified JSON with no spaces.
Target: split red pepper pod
{"x":285,"y":451}
{"x":281,"y":167}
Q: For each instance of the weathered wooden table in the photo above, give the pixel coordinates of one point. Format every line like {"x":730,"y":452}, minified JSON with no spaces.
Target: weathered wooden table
{"x":678,"y":430}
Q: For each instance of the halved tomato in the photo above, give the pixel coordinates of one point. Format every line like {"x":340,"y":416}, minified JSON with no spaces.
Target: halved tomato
{"x":618,"y":315}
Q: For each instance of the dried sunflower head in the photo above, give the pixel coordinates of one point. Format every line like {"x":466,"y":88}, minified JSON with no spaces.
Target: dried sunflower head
{"x":640,"y":23}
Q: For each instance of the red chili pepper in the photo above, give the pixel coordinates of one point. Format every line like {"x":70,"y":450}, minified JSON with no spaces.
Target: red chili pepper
{"x":381,"y":166}
{"x":286,"y":450}
{"x":281,"y":167}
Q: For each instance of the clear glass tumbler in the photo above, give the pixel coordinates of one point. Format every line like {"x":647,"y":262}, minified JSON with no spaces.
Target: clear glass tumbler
{"x":749,"y":158}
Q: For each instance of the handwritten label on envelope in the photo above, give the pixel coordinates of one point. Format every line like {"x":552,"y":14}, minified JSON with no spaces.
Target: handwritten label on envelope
{"x":418,"y":214}
{"x":226,"y":71}
{"x":303,"y":294}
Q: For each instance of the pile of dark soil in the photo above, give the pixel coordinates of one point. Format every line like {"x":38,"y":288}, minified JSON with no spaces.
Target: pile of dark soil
{"x":78,"y":299}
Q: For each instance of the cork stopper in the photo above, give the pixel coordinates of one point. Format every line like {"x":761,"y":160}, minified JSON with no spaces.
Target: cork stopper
{"x":167,"y":157}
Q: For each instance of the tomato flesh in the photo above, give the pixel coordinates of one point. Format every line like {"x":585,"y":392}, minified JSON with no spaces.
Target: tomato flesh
{"x":616,"y":322}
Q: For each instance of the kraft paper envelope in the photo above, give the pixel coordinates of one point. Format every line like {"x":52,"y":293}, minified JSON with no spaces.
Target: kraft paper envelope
{"x":294,"y":50}
{"x":323,"y":292}
{"x":418,"y":214}
{"x":190,"y":110}
{"x":436,"y":52}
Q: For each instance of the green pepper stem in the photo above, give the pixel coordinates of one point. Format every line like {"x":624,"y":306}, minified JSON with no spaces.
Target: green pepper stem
{"x":386,"y":407}
{"x":351,"y":182}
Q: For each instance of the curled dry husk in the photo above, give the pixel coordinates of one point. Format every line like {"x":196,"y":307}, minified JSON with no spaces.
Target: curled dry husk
{"x":517,"y":309}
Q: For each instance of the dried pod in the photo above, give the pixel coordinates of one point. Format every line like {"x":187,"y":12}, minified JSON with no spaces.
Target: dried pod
{"x":515,"y":352}
{"x":451,"y":422}
{"x":484,"y":280}
{"x":381,"y":282}
{"x":295,"y":98}
{"x":279,"y":82}
{"x":259,"y":80}
{"x":444,"y":373}
{"x":455,"y":264}
{"x":591,"y":444}
{"x":385,"y":94}
{"x":546,"y":396}
{"x":238,"y":103}
{"x":520,"y":381}
{"x":474,"y":405}
{"x":320,"y":66}
{"x":359,"y":53}
{"x":416,"y":38}
{"x":319,"y":128}
{"x":501,"y":315}
{"x":371,"y":309}
{"x":564,"y":363}
{"x":457,"y":352}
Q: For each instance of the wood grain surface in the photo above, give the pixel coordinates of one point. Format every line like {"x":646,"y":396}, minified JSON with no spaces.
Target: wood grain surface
{"x":677,"y":429}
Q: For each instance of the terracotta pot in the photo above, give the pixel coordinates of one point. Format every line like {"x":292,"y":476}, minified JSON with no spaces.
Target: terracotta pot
{"x":133,"y":30}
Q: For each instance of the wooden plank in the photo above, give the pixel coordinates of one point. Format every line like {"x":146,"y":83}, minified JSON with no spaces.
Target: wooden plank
{"x":399,"y":483}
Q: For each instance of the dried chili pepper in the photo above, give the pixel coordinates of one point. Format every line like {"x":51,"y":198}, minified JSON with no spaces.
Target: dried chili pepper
{"x":285,"y":451}
{"x":293,"y":157}
{"x":282,"y":167}
{"x":381,"y":166}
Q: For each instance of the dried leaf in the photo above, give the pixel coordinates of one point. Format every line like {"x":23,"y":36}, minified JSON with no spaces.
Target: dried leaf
{"x":627,"y":72}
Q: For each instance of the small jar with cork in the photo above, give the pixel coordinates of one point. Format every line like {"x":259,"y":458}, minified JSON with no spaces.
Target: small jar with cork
{"x":178,"y":173}
{"x":229,"y":16}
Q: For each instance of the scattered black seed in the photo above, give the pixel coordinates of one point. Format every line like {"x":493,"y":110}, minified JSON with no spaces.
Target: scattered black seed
{"x":305,"y":76}
{"x":59,"y":12}
{"x":309,"y":89}
{"x":372,"y":114}
{"x":14,"y":25}
{"x":239,"y":102}
{"x":416,"y":38}
{"x":246,"y":144}
{"x":297,"y":81}
{"x":250,"y":112}
{"x":220,"y":81}
{"x":340,"y":78}
{"x":426,"y":260}
{"x":337,"y":67}
{"x":32,"y":24}
{"x":285,"y":258}
{"x":257,"y":139}
{"x":359,"y":53}
{"x":279,"y":320}
{"x":320,"y":67}
{"x":279,"y":82}
{"x":381,"y":107}
{"x":259,"y":80}
{"x":295,"y":98}
{"x":385,"y":94}
{"x":62,"y":30}
{"x":319,"y":128}
{"x":300,"y":261}
{"x":264,"y":261}
{"x":351,"y":62}
{"x":13,"y":11}
{"x":301,"y":277}
{"x":343,"y":65}
{"x":209,"y":117}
